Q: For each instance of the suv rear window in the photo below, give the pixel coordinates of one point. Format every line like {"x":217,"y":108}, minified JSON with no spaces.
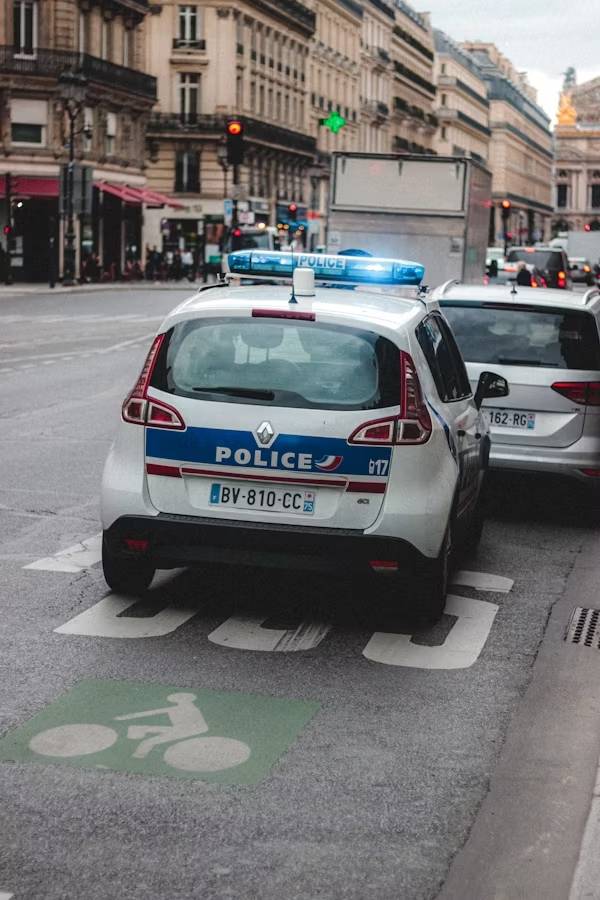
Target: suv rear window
{"x":512,"y":335}
{"x":280,"y":363}
{"x":541,"y":259}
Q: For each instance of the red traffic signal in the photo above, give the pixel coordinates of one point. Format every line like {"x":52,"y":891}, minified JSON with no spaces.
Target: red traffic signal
{"x":506,"y":204}
{"x":587,"y":227}
{"x":292,"y":211}
{"x":234,"y":134}
{"x":7,"y":229}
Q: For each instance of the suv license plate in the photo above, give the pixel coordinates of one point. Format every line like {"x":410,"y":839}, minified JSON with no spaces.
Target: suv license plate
{"x":273,"y":499}
{"x":510,"y":418}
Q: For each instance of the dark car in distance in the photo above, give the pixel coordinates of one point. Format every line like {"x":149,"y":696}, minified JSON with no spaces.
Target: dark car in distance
{"x":551,"y":262}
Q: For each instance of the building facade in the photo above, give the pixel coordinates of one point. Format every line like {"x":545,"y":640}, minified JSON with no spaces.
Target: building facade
{"x":520,"y":151}
{"x":413,"y":98}
{"x":463,"y":108}
{"x":46,"y":46}
{"x":577,"y":157}
{"x":214,"y":61}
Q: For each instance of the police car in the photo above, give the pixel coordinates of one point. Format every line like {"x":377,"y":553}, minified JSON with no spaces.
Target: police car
{"x":315,"y":419}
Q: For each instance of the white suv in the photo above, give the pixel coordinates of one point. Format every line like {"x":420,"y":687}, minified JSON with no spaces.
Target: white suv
{"x":546,"y":344}
{"x":316,"y":427}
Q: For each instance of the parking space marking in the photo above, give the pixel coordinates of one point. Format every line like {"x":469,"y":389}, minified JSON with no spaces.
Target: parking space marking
{"x":5,"y":896}
{"x":74,"y":559}
{"x":483,"y":581}
{"x":460,"y":650}
{"x":248,"y":633}
{"x":218,"y":736}
{"x":105,"y":619}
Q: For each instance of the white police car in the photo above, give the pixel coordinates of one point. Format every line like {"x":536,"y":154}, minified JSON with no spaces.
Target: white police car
{"x":307,"y":427}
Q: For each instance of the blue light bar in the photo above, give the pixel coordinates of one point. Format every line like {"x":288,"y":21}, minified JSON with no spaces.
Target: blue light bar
{"x":327,"y":267}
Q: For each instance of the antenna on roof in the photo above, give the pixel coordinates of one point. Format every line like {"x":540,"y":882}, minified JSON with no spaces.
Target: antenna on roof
{"x":293,"y":294}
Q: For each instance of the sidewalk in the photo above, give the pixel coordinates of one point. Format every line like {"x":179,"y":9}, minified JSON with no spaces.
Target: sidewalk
{"x":537,"y":834}
{"x":22,"y":289}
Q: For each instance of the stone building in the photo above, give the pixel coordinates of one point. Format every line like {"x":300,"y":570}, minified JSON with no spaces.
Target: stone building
{"x":577,"y":157}
{"x":520,"y":152}
{"x":463,"y":108}
{"x":99,"y":46}
{"x":214,"y":61}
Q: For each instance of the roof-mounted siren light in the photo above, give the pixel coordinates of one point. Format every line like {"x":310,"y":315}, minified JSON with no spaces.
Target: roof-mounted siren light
{"x":326,"y":267}
{"x":304,"y":282}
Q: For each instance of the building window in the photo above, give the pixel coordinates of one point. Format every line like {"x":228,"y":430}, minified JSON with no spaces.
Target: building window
{"x":444,"y":99}
{"x":25,"y":21}
{"x":29,"y":119}
{"x":443,"y":69}
{"x":189,"y":24}
{"x":189,"y":90}
{"x":561,"y":195}
{"x":187,"y":172}
{"x":88,"y":128}
{"x":595,"y":196}
{"x":444,"y":132}
{"x":110,"y":134}
{"x":128,"y":48}
{"x":84,"y":22}
{"x":106,"y":40}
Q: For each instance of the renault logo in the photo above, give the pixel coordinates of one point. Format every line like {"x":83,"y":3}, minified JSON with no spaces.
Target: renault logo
{"x":265,"y":433}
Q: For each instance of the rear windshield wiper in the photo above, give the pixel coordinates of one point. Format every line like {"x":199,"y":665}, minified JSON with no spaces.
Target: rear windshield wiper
{"x":512,"y":361}
{"x":250,"y":393}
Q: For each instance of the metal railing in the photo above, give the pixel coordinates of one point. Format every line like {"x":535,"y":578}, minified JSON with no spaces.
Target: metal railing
{"x":185,"y":44}
{"x":52,"y":63}
{"x":197,"y":124}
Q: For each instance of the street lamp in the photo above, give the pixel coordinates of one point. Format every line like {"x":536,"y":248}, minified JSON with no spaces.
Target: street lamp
{"x":72,"y":87}
{"x":222,"y":158}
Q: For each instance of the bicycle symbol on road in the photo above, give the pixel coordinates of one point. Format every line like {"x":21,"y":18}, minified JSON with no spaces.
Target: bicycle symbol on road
{"x":187,"y":751}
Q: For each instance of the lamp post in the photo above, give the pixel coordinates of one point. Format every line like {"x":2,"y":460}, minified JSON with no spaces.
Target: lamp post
{"x":222,"y":158}
{"x":72,"y":93}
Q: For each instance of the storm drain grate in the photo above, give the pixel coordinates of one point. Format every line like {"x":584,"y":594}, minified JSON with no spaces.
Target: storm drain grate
{"x":583,"y":627}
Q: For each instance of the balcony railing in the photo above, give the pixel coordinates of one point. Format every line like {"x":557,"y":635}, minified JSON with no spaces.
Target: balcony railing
{"x":51,"y":63}
{"x":184,"y":44}
{"x":197,"y":124}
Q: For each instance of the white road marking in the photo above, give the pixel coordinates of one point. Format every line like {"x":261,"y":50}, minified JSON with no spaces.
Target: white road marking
{"x":103,"y":620}
{"x":483,"y":581}
{"x":207,"y":754}
{"x":74,"y":559}
{"x":5,"y":896}
{"x":460,"y":650}
{"x":247,"y":633}
{"x":73,"y":740}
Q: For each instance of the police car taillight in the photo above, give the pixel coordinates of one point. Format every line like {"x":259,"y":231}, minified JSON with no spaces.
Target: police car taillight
{"x":412,"y":426}
{"x":139,"y":409}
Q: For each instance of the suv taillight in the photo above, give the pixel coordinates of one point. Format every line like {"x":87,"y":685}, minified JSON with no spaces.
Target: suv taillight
{"x":584,"y":393}
{"x":562,"y":279}
{"x":139,"y":409}
{"x":412,"y":426}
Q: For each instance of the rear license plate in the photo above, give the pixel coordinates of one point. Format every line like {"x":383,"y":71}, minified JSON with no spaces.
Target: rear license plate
{"x":272,"y":499}
{"x":510,"y":418}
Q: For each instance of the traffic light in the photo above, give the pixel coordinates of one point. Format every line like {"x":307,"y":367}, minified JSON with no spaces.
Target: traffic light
{"x":594,"y":225}
{"x":7,"y":230}
{"x":293,"y":212}
{"x":234,"y":134}
{"x":506,"y":207}
{"x":236,"y":240}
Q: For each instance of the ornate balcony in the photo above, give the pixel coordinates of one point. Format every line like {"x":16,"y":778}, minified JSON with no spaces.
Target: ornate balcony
{"x":51,"y":63}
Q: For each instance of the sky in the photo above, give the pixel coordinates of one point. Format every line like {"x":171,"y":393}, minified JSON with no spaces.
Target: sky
{"x":542,"y":37}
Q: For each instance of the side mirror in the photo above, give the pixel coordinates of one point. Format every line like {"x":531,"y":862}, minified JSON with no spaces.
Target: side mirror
{"x":490,"y":385}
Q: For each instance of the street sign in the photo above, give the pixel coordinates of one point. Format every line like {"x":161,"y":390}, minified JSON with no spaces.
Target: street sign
{"x":246,"y":217}
{"x":228,"y":212}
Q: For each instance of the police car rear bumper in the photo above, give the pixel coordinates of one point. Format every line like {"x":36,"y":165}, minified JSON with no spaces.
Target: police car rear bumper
{"x":174,"y":541}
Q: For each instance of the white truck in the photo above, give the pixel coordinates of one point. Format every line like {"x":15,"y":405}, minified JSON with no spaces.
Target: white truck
{"x":579,"y":244}
{"x":432,"y":209}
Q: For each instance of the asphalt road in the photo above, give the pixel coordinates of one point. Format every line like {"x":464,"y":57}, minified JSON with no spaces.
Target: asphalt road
{"x":372,"y":786}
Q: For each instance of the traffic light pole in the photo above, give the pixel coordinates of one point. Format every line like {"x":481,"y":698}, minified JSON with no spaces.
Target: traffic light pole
{"x":234,"y":199}
{"x":69,"y":248}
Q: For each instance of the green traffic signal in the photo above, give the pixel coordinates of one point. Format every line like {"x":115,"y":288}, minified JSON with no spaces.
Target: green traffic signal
{"x":334,"y":122}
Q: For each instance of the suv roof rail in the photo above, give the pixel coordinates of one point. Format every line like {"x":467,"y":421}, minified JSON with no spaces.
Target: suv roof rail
{"x":591,"y":294}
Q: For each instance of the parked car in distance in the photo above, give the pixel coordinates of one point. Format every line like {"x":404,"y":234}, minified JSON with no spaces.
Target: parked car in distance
{"x":581,"y":270}
{"x":552,"y":263}
{"x":546,"y":344}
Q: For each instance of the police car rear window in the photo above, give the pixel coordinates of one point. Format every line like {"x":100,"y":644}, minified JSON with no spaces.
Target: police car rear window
{"x":279,"y":363}
{"x":519,"y":336}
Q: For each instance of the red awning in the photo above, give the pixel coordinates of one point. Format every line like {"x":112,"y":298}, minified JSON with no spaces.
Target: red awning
{"x":137,"y":196}
{"x":124,"y":193}
{"x":29,"y":186}
{"x":155,"y":198}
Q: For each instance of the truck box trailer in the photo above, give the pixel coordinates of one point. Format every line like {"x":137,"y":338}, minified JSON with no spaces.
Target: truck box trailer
{"x":431,"y":209}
